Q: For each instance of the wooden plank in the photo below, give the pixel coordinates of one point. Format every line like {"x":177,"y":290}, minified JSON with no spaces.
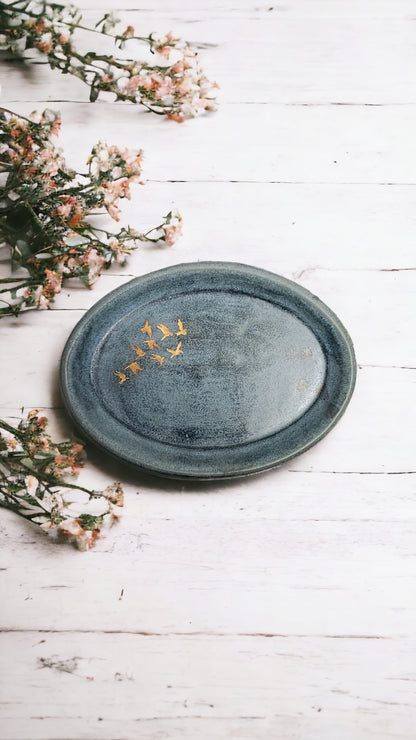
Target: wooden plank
{"x":271,"y":58}
{"x":336,"y":144}
{"x":284,"y":553}
{"x":375,"y":308}
{"x":322,"y":9}
{"x":374,"y":305}
{"x":297,"y":578}
{"x":284,"y":228}
{"x":89,"y":686}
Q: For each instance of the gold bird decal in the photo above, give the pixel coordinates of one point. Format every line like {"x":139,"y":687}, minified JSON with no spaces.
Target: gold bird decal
{"x":138,"y":350}
{"x":158,"y":358}
{"x":122,"y":376}
{"x":182,"y":332}
{"x":134,"y":367}
{"x":151,"y":343}
{"x":177,"y":351}
{"x":165,"y":331}
{"x":147,"y":328}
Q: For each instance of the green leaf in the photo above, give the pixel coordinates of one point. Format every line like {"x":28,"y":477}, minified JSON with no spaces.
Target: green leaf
{"x":90,"y":522}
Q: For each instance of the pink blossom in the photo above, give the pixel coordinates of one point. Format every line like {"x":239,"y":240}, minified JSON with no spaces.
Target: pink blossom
{"x":172,"y":233}
{"x":64,"y":209}
{"x":116,"y":172}
{"x":32,"y":485}
{"x":164,"y":51}
{"x":164,"y":88}
{"x":185,"y":86}
{"x":39,"y":299}
{"x":128,"y":33}
{"x":129,"y":85}
{"x":45,"y":42}
{"x":178,"y":68}
{"x":95,"y":263}
{"x":114,"y":211}
{"x":178,"y":117}
{"x":71,"y":526}
{"x":146,"y":81}
{"x":54,"y":281}
{"x":134,"y":83}
{"x":46,"y":154}
{"x":56,"y":126}
{"x":202,"y":103}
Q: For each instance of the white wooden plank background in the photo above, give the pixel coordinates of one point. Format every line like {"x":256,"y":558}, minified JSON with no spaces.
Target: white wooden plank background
{"x":282,"y":606}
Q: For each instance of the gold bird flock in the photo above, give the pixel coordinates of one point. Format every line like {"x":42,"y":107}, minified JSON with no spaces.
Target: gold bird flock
{"x":153,"y":343}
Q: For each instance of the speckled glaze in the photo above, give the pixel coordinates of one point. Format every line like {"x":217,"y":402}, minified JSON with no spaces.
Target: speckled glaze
{"x":207,"y":370}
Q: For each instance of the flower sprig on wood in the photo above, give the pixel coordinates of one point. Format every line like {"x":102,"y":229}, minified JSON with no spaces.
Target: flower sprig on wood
{"x":174,"y":86}
{"x":33,"y":473}
{"x":45,"y":210}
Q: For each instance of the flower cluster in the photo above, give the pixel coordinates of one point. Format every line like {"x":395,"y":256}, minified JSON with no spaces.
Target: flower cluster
{"x":175,"y":85}
{"x":33,"y":472}
{"x":45,"y":209}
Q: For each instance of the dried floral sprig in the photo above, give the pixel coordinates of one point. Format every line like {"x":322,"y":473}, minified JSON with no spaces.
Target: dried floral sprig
{"x":45,"y":208}
{"x":33,"y":472}
{"x":175,"y":86}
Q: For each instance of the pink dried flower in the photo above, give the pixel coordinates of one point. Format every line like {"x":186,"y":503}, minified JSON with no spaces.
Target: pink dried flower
{"x":45,"y":43}
{"x":128,"y":33}
{"x":53,"y":31}
{"x":43,"y":497}
{"x":173,"y":230}
{"x":163,"y":88}
{"x":68,"y":244}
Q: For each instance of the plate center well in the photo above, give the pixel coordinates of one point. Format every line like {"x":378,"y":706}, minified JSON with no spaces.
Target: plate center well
{"x":208,"y":369}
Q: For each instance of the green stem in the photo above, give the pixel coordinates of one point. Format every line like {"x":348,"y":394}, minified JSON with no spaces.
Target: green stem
{"x":16,"y":309}
{"x":75,"y":189}
{"x":16,"y":280}
{"x":19,"y":115}
{"x":18,"y":502}
{"x":10,"y":310}
{"x":85,"y":59}
{"x":8,"y":428}
{"x":74,"y":25}
{"x":108,"y":35}
{"x":155,"y":228}
{"x":16,"y":510}
{"x":24,"y":284}
{"x":56,"y":481}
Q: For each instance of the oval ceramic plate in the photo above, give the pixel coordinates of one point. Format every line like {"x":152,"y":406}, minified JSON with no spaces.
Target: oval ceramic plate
{"x":207,"y":370}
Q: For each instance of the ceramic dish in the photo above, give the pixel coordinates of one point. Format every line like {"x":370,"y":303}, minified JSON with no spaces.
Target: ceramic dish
{"x":207,"y":370}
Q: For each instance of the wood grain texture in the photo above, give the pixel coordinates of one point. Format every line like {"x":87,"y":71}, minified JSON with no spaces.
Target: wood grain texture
{"x":291,"y":229}
{"x":185,"y":686}
{"x":266,"y":57}
{"x":363,"y":145}
{"x":276,"y":562}
{"x":278,"y":607}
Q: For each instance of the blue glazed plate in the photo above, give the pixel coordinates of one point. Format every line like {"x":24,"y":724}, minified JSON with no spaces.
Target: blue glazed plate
{"x":207,"y":370}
